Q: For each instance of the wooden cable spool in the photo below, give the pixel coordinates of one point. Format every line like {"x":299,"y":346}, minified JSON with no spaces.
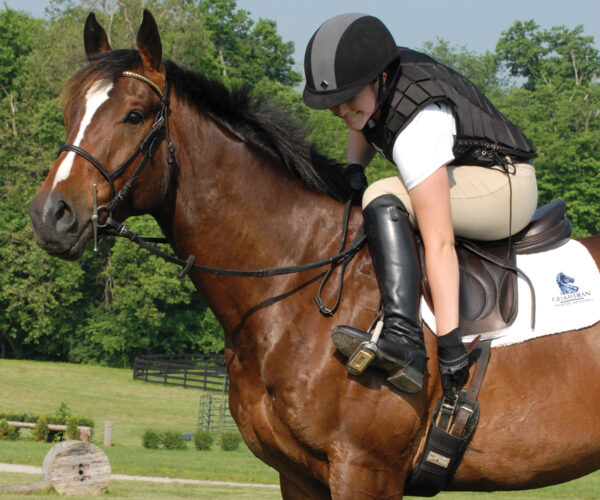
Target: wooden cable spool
{"x":71,"y":468}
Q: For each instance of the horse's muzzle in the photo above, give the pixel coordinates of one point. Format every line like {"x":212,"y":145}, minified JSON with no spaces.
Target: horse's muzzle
{"x":55,"y":226}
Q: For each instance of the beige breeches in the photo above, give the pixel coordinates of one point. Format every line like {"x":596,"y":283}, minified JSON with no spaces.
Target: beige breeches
{"x":479,"y":199}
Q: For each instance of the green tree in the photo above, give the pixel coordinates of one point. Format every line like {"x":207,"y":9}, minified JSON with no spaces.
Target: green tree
{"x":48,"y":307}
{"x":142,"y":308}
{"x":247,"y":53}
{"x":40,"y":297}
{"x":558,"y":108}
{"x":557,"y":57}
{"x":18,"y":33}
{"x":269,"y":56}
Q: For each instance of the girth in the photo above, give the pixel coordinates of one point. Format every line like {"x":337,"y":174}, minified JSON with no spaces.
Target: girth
{"x":452,"y":426}
{"x":488,"y":271}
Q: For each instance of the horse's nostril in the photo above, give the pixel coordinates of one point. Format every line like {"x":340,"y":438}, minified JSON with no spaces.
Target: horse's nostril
{"x":60,"y":210}
{"x":64,"y":217}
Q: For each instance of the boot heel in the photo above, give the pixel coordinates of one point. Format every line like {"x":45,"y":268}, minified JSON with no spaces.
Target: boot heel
{"x":407,"y":379}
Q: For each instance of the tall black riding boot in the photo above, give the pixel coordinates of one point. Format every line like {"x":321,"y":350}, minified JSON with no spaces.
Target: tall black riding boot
{"x":401,"y":347}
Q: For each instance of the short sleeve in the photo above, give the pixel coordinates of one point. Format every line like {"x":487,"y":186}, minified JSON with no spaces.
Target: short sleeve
{"x":425,"y":144}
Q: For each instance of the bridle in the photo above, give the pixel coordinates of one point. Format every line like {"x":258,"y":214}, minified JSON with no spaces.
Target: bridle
{"x":147,"y":147}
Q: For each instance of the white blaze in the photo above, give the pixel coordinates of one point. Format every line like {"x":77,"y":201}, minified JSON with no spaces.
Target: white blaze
{"x":94,"y":97}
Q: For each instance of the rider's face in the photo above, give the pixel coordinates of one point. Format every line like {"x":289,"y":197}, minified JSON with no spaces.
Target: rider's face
{"x":357,"y":110}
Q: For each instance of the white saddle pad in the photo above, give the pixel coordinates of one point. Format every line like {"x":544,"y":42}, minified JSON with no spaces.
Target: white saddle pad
{"x":567,"y":293}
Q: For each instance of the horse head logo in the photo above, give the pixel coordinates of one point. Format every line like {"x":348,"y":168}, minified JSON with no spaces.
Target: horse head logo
{"x":564,"y":283}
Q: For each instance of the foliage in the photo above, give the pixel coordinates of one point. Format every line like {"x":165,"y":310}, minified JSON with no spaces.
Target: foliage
{"x":56,"y":418}
{"x":169,"y":440}
{"x":50,"y":309}
{"x":86,"y":421}
{"x":18,"y":417}
{"x":143,"y":308}
{"x":151,"y":439}
{"x":63,"y":411}
{"x":62,"y":416}
{"x":41,"y":431}
{"x":203,"y":440}
{"x":230,"y":440}
{"x":172,"y":440}
{"x":7,"y":432}
{"x":245,"y":52}
{"x":558,"y":107}
{"x":557,"y":57}
{"x":72,"y":430}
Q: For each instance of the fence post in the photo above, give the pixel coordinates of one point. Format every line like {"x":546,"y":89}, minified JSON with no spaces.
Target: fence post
{"x":208,"y":423}
{"x":108,"y":428}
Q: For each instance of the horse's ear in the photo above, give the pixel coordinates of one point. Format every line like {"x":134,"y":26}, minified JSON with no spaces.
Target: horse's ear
{"x":148,"y":42}
{"x":94,"y":37}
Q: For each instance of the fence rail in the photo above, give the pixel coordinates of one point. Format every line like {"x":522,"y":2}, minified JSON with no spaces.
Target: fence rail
{"x":198,"y":371}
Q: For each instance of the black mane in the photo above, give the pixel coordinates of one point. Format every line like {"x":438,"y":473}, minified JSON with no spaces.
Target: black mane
{"x":264,"y":127}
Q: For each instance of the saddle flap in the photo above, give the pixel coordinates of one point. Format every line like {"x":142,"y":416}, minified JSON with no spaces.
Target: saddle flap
{"x":488,"y":288}
{"x":488,"y":292}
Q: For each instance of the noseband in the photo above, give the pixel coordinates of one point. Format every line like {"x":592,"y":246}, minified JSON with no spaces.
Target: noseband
{"x":146,"y":147}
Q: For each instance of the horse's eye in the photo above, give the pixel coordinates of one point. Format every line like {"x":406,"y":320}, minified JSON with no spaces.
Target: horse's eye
{"x":134,"y":117}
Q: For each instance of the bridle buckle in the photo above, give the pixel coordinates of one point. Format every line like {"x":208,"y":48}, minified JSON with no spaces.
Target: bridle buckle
{"x":95,"y":218}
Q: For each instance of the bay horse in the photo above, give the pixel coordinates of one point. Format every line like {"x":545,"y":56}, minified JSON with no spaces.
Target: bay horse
{"x":246,"y":192}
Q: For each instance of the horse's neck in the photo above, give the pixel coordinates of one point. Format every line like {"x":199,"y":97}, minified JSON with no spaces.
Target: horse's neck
{"x":236,"y":209}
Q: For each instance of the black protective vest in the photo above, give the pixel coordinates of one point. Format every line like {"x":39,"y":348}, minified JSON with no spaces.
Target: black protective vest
{"x":482,"y":131}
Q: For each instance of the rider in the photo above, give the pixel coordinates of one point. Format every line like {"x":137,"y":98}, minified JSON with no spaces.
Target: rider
{"x":464,"y":170}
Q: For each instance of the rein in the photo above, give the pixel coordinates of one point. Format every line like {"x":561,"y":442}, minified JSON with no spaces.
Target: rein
{"x":343,"y":257}
{"x":147,"y":147}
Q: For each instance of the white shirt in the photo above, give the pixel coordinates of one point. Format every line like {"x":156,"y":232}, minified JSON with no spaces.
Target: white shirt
{"x":425,"y":144}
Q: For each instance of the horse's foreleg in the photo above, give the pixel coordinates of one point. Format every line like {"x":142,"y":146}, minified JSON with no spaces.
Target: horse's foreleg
{"x":302,"y":488}
{"x":365,"y":481}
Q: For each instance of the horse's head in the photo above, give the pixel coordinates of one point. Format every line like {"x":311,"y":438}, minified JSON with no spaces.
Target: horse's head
{"x":115,"y":116}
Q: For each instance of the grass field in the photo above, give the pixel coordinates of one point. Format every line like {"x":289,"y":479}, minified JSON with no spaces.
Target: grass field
{"x":133,"y":406}
{"x":138,"y":490}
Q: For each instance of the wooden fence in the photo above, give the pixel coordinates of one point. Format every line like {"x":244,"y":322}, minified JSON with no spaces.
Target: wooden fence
{"x":198,"y":371}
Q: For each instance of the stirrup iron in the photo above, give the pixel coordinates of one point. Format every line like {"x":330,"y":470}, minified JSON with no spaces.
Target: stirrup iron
{"x":365,"y":353}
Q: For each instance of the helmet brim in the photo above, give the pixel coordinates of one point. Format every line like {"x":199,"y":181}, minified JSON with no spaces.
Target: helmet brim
{"x":327,"y":100}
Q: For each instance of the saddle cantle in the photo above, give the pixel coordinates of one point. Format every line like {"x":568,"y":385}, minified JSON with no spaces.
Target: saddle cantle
{"x":488,"y":272}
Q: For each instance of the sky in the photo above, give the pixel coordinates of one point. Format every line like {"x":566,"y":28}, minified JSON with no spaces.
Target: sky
{"x":474,"y":24}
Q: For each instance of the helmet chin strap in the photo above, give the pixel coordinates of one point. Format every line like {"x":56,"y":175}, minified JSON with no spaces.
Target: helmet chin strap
{"x":382,"y":79}
{"x":379,"y":97}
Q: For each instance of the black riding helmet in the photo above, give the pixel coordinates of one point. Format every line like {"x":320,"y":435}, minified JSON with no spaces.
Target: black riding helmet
{"x":345,"y":54}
